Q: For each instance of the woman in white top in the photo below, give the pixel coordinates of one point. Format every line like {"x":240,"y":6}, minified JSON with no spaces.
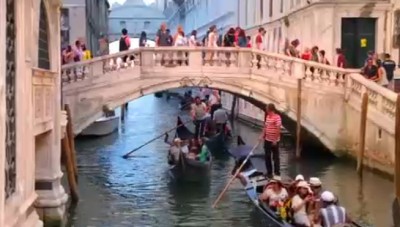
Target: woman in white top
{"x":180,"y":40}
{"x":193,"y":39}
{"x":212,"y":41}
{"x":382,"y":74}
{"x":275,"y":194}
{"x":299,"y":201}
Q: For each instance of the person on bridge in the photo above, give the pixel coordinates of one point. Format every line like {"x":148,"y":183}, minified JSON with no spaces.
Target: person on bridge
{"x":199,"y":114}
{"x":271,"y":136}
{"x":124,"y":42}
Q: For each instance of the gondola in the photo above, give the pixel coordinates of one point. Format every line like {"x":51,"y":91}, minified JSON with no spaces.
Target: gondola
{"x":216,"y":144}
{"x":186,"y":168}
{"x":255,"y":184}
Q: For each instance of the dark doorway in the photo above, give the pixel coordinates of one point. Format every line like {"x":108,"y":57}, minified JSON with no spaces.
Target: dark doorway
{"x":358,"y":37}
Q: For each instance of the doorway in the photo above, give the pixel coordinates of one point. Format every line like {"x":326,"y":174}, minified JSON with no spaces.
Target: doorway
{"x":357,"y":38}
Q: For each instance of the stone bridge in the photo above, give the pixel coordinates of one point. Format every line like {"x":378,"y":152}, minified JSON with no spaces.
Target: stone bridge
{"x":330,"y":96}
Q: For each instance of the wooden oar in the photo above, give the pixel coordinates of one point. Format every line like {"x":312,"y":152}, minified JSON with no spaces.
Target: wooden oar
{"x":234,"y":176}
{"x":148,"y":142}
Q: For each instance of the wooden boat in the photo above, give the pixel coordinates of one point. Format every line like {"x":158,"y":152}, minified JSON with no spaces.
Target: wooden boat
{"x":102,"y":126}
{"x":216,"y":144}
{"x":256,"y":183}
{"x":186,"y":168}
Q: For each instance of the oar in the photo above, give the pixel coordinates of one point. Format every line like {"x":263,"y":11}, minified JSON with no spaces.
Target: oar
{"x":234,"y":176}
{"x":148,"y":142}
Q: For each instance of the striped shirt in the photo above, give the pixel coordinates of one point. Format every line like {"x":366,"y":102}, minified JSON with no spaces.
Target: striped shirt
{"x":333,"y":215}
{"x":272,"y":127}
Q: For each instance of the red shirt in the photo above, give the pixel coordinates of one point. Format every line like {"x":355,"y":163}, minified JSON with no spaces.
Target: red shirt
{"x":259,"y":41}
{"x":306,"y":56}
{"x":272,"y":127}
{"x":341,"y":61}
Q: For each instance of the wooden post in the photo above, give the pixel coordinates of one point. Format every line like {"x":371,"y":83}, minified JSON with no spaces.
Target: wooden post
{"x":233,"y":107}
{"x":71,"y":141}
{"x":397,"y":150}
{"x":298,"y":119}
{"x":70,"y":169}
{"x":396,"y":201}
{"x":123,"y":111}
{"x":363,"y":128}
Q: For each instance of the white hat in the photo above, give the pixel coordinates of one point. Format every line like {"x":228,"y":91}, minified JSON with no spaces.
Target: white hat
{"x":315,"y":181}
{"x":299,"y":177}
{"x":327,"y":196}
{"x":303,"y":184}
{"x":177,"y":140}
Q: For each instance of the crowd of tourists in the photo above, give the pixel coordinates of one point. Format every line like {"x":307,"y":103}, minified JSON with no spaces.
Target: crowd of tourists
{"x":76,"y":53}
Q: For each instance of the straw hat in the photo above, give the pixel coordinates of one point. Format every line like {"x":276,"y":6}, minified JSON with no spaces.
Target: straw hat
{"x":304,"y":184}
{"x":315,"y":181}
{"x":299,"y":177}
{"x":177,"y":140}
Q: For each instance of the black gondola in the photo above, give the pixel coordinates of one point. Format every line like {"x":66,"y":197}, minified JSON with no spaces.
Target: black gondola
{"x":255,"y":184}
{"x":189,"y":169}
{"x":216,"y":144}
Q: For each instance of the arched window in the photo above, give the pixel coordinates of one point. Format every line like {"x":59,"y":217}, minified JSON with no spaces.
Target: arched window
{"x":43,"y":52}
{"x":10,"y":143}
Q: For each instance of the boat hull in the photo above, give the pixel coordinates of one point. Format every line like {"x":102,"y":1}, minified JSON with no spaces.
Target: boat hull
{"x":102,"y":127}
{"x":191,"y":170}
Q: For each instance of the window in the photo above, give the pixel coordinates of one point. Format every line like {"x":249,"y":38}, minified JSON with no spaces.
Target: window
{"x":261,"y":9}
{"x":246,"y":7}
{"x":43,"y":53}
{"x":146,"y":25}
{"x":271,"y":5}
{"x":122,"y":24}
{"x":281,"y":6}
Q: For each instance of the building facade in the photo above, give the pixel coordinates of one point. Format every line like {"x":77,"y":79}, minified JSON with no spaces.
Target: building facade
{"x":135,"y":16}
{"x":30,"y":128}
{"x":86,"y":21}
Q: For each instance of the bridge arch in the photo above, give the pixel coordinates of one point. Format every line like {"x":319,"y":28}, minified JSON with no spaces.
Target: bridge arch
{"x":257,"y":98}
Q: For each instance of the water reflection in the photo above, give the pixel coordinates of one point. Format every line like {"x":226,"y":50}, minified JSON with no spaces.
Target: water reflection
{"x":140,"y":192}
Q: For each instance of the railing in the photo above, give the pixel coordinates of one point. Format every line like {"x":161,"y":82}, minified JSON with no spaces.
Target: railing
{"x":246,"y":59}
{"x":43,"y":82}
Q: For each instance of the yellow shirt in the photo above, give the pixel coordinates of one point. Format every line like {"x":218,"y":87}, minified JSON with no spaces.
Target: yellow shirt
{"x":87,"y":55}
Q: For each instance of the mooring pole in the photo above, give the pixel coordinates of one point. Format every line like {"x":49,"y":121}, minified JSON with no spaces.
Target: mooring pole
{"x":123,"y":111}
{"x":396,"y":202}
{"x":298,"y":119}
{"x":363,"y":128}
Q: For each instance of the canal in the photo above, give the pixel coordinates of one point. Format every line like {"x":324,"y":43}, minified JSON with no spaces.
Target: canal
{"x":139,"y":191}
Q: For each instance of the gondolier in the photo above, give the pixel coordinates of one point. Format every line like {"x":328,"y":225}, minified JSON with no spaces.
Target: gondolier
{"x":271,"y":136}
{"x":220,"y":118}
{"x":199,"y":114}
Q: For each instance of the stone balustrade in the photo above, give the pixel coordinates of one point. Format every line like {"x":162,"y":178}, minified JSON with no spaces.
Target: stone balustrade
{"x":43,"y":83}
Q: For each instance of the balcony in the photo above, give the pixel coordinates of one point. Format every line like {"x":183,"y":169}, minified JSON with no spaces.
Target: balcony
{"x":43,"y":88}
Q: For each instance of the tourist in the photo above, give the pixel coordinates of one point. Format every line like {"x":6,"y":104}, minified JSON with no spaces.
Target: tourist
{"x":275,"y":194}
{"x":383,"y":81}
{"x":174,"y":151}
{"x":242,"y":39}
{"x":199,"y":114}
{"x":124,"y":43}
{"x":203,"y":155}
{"x":331,"y":214}
{"x":236,"y":35}
{"x":87,"y":55}
{"x":306,"y":55}
{"x":316,"y":188}
{"x":322,"y":58}
{"x":213,"y":101}
{"x":78,"y":53}
{"x":299,"y":204}
{"x":249,"y":45}
{"x":370,"y":71}
{"x":293,"y":185}
{"x":314,"y":54}
{"x":229,"y":38}
{"x":143,"y":39}
{"x":340,"y":58}
{"x":193,"y":39}
{"x":180,"y":40}
{"x":259,"y":41}
{"x":67,"y":55}
{"x":220,"y":118}
{"x":292,"y":49}
{"x":271,"y":136}
{"x":163,"y":39}
{"x":389,"y":66}
{"x":212,"y":41}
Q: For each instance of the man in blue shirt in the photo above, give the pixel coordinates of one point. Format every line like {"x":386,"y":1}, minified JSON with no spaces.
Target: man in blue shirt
{"x":389,"y":65}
